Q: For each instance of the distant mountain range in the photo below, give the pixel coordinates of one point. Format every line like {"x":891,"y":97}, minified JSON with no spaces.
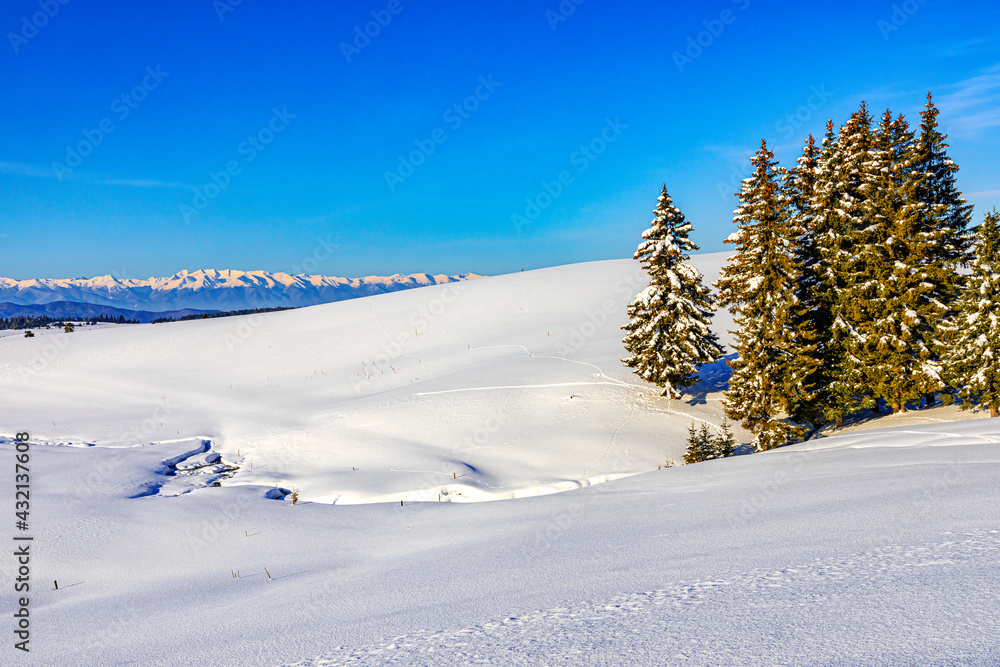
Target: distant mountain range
{"x":187,"y":293}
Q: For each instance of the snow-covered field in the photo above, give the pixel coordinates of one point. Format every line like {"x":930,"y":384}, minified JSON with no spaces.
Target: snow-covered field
{"x":163,"y":453}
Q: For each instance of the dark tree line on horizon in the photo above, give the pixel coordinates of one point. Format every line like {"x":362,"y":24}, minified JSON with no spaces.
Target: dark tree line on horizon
{"x":43,"y":321}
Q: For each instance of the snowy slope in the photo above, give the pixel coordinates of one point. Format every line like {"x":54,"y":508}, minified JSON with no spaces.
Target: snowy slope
{"x":491,"y":388}
{"x":880,"y":548}
{"x":210,"y":289}
{"x":877,"y":547}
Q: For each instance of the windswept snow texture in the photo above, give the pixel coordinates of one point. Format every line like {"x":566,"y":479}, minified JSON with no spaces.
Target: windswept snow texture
{"x":871,"y":547}
{"x":212,"y":290}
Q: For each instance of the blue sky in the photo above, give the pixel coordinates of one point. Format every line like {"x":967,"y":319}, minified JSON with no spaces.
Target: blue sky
{"x":302,"y":131}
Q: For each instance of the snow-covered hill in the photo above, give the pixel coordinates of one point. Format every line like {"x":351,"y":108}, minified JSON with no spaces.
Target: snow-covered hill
{"x":163,"y":455}
{"x":210,"y":289}
{"x":485,"y":389}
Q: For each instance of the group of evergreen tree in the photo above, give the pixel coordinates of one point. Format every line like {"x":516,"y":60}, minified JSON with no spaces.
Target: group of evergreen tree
{"x":25,"y":322}
{"x":703,"y":445}
{"x":844,"y":286}
{"x":110,"y":319}
{"x":845,"y":280}
{"x":44,"y":322}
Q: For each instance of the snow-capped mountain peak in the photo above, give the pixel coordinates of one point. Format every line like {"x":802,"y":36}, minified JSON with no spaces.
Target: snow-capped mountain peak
{"x":212,"y":289}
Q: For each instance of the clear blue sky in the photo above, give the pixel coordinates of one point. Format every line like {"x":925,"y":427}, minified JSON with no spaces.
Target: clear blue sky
{"x":323,"y":174}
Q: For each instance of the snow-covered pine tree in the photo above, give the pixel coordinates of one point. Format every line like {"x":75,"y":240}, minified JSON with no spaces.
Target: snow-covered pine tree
{"x":769,"y":388}
{"x":935,"y":218}
{"x":812,"y":293}
{"x":891,"y":346}
{"x":668,"y":331}
{"x":972,"y":361}
{"x":833,"y":233}
{"x":860,"y":200}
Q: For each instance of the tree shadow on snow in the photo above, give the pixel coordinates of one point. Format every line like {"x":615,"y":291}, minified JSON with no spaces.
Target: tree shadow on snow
{"x":712,"y":379}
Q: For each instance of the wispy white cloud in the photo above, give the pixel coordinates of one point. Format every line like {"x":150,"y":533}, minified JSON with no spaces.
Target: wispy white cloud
{"x":963,"y":48}
{"x":142,"y":183}
{"x":973,"y":104}
{"x":33,"y":171}
{"x":982,"y":195}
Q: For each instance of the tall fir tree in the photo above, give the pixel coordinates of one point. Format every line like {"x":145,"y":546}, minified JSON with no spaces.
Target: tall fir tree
{"x":669,"y":332}
{"x":973,"y":354}
{"x":935,"y":217}
{"x":770,"y":387}
{"x":812,"y":311}
{"x":833,"y":235}
{"x":846,"y":266}
{"x":892,"y":348}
